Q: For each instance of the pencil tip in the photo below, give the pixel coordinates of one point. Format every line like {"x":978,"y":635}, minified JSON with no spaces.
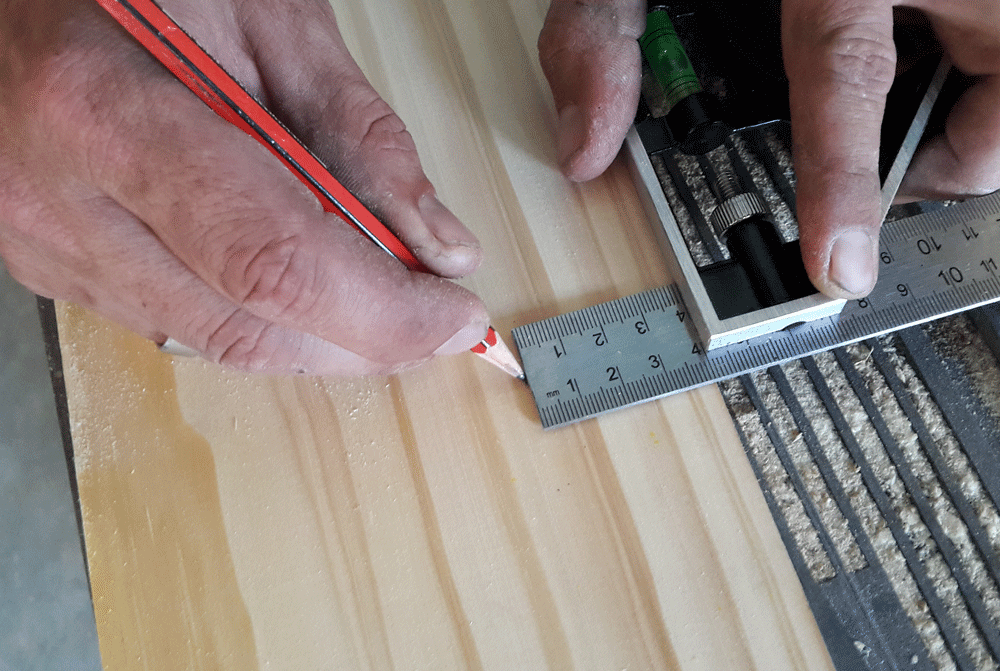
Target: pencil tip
{"x":494,"y":350}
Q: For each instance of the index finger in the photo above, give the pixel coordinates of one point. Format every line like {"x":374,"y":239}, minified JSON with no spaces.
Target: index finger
{"x":840,"y":61}
{"x":243,"y":223}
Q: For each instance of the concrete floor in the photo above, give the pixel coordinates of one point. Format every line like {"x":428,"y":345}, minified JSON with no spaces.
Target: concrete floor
{"x":46,"y":616}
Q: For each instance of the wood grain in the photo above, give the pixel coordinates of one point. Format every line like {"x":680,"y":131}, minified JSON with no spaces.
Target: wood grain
{"x":426,"y":521}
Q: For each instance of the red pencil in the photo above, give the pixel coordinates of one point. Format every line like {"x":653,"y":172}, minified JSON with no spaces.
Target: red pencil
{"x":193,"y":66}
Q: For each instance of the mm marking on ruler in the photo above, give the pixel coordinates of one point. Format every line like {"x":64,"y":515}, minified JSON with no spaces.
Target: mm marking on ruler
{"x":639,"y":348}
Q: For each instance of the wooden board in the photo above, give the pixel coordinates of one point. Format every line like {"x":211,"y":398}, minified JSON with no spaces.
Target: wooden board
{"x":240,"y":522}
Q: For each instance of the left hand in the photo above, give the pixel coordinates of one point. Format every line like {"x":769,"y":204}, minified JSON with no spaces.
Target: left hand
{"x":840,"y":60}
{"x":590,"y":55}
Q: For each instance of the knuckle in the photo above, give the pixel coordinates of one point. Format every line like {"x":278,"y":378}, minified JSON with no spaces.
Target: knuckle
{"x":275,"y":280}
{"x":365,"y":119}
{"x":862,"y":58}
{"x":380,"y":129}
{"x":361,"y":124}
{"x":242,"y":344}
{"x":573,"y":30}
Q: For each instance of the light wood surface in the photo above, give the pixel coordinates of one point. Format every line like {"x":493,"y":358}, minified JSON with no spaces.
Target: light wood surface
{"x":426,"y":521}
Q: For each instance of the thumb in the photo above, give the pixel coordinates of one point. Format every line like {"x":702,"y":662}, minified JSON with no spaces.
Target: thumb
{"x":590,"y":55}
{"x":840,"y":61}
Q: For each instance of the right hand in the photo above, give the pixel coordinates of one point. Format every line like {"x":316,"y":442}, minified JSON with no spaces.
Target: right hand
{"x":120,"y":190}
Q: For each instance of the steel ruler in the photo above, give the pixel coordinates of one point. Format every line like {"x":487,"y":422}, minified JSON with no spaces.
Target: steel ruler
{"x":641,"y":347}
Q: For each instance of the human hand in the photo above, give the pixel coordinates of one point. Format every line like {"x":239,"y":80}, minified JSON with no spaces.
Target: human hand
{"x":840,"y":61}
{"x":120,"y":190}
{"x":590,"y":55}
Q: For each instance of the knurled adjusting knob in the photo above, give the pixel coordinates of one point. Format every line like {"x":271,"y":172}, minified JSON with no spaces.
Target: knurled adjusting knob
{"x":733,"y":210}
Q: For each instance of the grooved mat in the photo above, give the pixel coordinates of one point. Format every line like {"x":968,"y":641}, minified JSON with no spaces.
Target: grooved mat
{"x":880,"y":464}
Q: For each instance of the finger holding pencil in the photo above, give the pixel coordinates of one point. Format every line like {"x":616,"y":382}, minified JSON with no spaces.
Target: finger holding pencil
{"x":206,"y":78}
{"x":177,"y":224}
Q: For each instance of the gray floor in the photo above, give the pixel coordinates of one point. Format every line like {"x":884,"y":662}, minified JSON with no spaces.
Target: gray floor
{"x":46,"y":617}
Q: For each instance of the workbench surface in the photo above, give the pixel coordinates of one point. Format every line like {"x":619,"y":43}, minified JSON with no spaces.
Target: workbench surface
{"x":426,"y":520}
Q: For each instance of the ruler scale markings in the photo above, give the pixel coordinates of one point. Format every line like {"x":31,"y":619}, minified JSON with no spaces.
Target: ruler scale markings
{"x":556,"y":414}
{"x":606,"y":314}
{"x":656,"y":385}
{"x":689,"y":378}
{"x":532,"y":336}
{"x":640,"y":389}
{"x":570,"y":318}
{"x":570,"y":325}
{"x":914,"y":287}
{"x":623,"y":310}
{"x":566,"y":409}
{"x":655,"y":302}
{"x":536,"y":335}
{"x":640,"y":306}
{"x":546,"y":334}
{"x":603,"y":401}
{"x":644,"y":304}
{"x":550,"y":329}
{"x":558,"y":324}
{"x":739,"y":358}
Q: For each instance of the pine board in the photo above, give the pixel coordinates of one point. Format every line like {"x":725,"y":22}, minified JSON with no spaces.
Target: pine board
{"x":426,"y":520}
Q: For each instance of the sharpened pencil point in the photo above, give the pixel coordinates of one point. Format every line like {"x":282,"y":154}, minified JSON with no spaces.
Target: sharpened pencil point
{"x":494,"y":350}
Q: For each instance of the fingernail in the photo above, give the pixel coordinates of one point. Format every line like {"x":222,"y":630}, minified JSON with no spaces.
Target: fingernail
{"x":460,"y":252}
{"x":444,"y":225}
{"x":853,"y":263}
{"x":572,"y":128}
{"x":467,"y":338}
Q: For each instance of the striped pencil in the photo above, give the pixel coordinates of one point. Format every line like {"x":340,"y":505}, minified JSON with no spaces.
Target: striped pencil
{"x":194,"y":67}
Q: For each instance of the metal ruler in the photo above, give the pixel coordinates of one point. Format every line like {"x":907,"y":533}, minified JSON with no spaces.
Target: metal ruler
{"x":640,"y":348}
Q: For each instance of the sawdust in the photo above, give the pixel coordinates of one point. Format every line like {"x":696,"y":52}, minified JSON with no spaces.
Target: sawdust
{"x":883,"y":542}
{"x":848,"y":478}
{"x":685,"y":222}
{"x":779,"y":147}
{"x":831,"y":518}
{"x":697,"y":184}
{"x":831,"y":447}
{"x":777,"y":481}
{"x":966,"y":354}
{"x":931,"y":487}
{"x":970,"y":485}
{"x":781,"y":213}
